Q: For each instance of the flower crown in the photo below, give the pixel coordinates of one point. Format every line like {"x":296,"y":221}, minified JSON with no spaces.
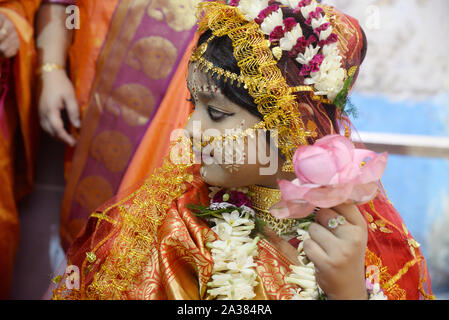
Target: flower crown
{"x":318,"y":54}
{"x":248,"y":23}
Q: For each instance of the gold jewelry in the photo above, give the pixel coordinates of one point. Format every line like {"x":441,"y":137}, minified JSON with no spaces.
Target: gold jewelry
{"x":49,"y":67}
{"x":239,"y":136}
{"x":208,"y":67}
{"x":263,"y":199}
{"x":259,"y":73}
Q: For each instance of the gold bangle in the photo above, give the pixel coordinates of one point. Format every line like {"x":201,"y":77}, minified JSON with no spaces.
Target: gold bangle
{"x":49,"y":67}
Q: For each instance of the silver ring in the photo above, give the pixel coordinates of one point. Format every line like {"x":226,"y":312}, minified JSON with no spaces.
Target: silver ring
{"x":334,"y":223}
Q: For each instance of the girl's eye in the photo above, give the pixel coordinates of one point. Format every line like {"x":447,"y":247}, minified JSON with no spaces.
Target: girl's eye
{"x":217,"y":115}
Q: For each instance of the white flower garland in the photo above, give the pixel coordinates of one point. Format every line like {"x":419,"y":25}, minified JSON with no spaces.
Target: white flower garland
{"x":304,"y":275}
{"x":233,"y":275}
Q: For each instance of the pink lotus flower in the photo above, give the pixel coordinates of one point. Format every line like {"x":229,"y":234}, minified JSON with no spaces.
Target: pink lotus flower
{"x":329,"y":173}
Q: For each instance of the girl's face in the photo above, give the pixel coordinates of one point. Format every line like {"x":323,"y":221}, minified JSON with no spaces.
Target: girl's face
{"x":242,"y":162}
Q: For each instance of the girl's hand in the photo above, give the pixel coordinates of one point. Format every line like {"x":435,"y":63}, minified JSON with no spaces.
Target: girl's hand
{"x":339,"y":253}
{"x":9,"y":39}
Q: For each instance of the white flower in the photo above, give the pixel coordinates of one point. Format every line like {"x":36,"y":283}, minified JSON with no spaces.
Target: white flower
{"x":241,"y":262}
{"x":252,"y":8}
{"x":291,"y":3}
{"x":221,"y":279}
{"x":329,"y":80}
{"x":251,"y":247}
{"x":234,"y":219}
{"x":221,"y":246}
{"x":331,"y":51}
{"x":244,"y":291}
{"x":328,"y":83}
{"x":307,"y":56}
{"x":308,"y":9}
{"x":224,"y":230}
{"x":272,"y":21}
{"x":291,"y":38}
{"x":249,"y":275}
{"x":319,"y":22}
{"x":325,"y":34}
{"x":225,"y":290}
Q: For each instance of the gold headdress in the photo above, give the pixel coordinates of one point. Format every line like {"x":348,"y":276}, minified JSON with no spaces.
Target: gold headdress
{"x":277,"y":101}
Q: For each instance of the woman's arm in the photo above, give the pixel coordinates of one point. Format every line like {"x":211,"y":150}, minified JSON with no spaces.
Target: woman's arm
{"x":58,"y":93}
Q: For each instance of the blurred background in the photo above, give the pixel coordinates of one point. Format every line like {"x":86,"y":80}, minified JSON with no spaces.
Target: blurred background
{"x":402,"y":98}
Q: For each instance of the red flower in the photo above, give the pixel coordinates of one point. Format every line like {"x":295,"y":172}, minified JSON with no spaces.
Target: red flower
{"x":236,"y":198}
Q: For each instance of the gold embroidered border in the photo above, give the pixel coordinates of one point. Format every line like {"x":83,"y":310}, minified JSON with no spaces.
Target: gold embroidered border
{"x":392,"y":290}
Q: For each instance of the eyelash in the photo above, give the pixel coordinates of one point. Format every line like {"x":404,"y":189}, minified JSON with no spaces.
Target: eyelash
{"x":222,"y":115}
{"x":211,"y":111}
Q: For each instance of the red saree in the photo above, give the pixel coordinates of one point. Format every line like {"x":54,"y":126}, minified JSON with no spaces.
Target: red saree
{"x":149,"y":245}
{"x":132,"y":250}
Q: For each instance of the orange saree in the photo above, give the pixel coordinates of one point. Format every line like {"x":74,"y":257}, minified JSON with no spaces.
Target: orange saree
{"x":18,"y":134}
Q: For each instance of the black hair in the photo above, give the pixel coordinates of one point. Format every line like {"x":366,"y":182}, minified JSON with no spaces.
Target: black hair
{"x":220,"y":52}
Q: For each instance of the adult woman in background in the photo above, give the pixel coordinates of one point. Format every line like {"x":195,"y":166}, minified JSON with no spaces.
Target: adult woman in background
{"x":111,"y":81}
{"x":18,"y":125}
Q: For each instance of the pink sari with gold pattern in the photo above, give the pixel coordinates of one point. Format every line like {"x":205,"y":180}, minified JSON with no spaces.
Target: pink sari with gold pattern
{"x":122,"y":62}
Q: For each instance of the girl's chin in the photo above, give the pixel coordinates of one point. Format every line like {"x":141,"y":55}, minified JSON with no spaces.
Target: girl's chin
{"x":218,"y":176}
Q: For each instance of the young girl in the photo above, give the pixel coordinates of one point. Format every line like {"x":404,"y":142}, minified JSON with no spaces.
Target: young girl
{"x":276,"y":74}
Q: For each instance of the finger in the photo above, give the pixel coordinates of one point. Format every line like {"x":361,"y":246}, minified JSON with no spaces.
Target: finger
{"x":316,"y":254}
{"x":58,"y":126}
{"x":73,"y":110}
{"x":324,"y":238}
{"x":351,"y":214}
